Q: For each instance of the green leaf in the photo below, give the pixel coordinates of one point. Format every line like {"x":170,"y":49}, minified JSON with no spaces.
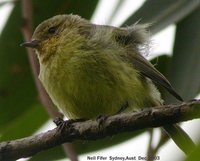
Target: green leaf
{"x":17,"y":89}
{"x":184,"y":73}
{"x":195,"y":155}
{"x":2,"y":3}
{"x":26,"y":124}
{"x":115,"y":10}
{"x":43,"y":9}
{"x":162,"y":13}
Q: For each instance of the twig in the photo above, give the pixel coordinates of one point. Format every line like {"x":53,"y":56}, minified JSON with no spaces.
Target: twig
{"x":43,"y":96}
{"x":90,"y":130}
{"x":27,"y":33}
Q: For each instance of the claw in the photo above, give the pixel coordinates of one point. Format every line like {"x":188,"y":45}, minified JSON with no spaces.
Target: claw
{"x":101,"y":119}
{"x":58,"y":121}
{"x":61,"y":124}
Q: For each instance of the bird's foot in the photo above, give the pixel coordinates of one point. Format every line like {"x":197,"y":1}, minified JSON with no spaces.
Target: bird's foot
{"x":101,"y":119}
{"x":61,"y":124}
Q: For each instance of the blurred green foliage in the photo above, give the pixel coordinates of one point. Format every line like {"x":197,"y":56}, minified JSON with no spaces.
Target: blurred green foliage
{"x":21,"y":113}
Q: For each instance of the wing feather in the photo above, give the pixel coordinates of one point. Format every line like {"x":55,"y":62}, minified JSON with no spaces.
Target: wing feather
{"x":148,"y":70}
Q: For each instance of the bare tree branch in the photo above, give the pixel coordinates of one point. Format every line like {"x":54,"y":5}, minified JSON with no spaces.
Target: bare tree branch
{"x":92,"y":130}
{"x":43,"y":96}
{"x":27,"y":33}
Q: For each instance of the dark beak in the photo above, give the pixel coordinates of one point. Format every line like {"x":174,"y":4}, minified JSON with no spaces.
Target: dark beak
{"x":30,"y":44}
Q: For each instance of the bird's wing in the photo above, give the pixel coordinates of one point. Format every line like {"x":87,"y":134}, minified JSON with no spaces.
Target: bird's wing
{"x":130,"y":38}
{"x":148,"y":70}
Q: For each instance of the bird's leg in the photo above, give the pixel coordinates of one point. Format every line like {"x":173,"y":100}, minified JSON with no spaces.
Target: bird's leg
{"x":123,"y":107}
{"x":102,"y":118}
{"x":58,"y":121}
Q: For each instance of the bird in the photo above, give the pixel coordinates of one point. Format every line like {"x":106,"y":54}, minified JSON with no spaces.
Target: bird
{"x":90,"y":70}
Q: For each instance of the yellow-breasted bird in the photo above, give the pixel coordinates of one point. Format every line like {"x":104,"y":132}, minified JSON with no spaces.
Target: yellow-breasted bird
{"x":89,"y":70}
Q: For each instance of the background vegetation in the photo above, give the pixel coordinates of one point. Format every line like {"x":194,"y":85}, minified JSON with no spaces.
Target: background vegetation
{"x":22,"y":114}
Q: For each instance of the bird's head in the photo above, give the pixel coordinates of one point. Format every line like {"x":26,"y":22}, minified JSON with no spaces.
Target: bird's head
{"x":56,"y":33}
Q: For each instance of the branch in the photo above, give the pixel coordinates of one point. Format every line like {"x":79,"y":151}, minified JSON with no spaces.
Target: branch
{"x":91,"y":130}
{"x":43,"y":96}
{"x":27,"y":33}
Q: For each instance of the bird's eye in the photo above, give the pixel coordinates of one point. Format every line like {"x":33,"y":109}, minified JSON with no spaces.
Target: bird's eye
{"x":52,"y":30}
